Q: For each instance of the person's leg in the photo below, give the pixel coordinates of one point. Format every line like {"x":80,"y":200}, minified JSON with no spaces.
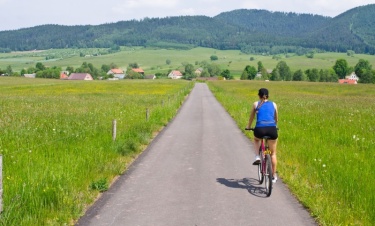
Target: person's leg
{"x":272,"y":145}
{"x":257,"y":143}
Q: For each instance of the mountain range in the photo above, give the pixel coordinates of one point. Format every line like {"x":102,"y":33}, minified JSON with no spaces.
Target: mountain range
{"x":252,"y":31}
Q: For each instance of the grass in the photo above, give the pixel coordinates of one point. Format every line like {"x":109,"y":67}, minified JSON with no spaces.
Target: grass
{"x":326,"y":143}
{"x":154,"y":60}
{"x":56,"y":140}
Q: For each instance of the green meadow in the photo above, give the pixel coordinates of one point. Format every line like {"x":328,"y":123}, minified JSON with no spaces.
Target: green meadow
{"x":326,"y":143}
{"x":154,"y":60}
{"x":57,"y":142}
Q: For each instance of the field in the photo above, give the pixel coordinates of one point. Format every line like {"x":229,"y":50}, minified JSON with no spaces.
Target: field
{"x":154,"y":60}
{"x":326,"y":143}
{"x":57,"y":144}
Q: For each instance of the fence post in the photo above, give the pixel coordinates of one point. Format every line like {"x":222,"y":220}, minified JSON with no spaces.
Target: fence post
{"x":1,"y":183}
{"x":114,"y":129}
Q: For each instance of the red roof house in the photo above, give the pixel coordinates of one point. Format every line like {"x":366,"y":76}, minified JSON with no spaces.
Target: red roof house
{"x":138,"y":70}
{"x":175,"y":74}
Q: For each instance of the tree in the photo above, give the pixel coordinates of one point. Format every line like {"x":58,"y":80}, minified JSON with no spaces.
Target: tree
{"x":312,"y":74}
{"x":368,"y":77}
{"x":310,"y":54}
{"x":275,"y":75}
{"x":9,"y":70}
{"x":205,"y":73}
{"x":341,"y":68}
{"x":40,"y":67}
{"x":249,"y":73}
{"x":362,"y":67}
{"x":298,"y":75}
{"x":189,"y":71}
{"x":133,"y":65}
{"x":168,"y":61}
{"x":105,"y":68}
{"x":70,"y":69}
{"x":284,"y":71}
{"x":214,"y":57}
{"x":213,"y":70}
{"x":226,"y":74}
{"x":260,"y":66}
{"x":350,"y":53}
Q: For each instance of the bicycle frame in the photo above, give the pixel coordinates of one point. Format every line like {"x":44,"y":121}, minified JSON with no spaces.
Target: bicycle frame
{"x":265,"y":151}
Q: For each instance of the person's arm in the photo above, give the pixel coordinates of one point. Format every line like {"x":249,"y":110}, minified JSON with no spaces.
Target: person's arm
{"x":276,"y":113}
{"x":252,"y":116}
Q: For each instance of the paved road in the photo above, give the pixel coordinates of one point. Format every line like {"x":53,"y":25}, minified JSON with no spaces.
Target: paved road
{"x":196,"y":172}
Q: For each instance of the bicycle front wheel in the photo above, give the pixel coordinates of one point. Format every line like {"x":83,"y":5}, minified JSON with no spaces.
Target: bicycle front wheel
{"x":268,"y":176}
{"x":260,"y":166}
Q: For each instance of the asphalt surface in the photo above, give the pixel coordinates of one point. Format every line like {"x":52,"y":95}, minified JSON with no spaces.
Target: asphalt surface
{"x":197,"y":171}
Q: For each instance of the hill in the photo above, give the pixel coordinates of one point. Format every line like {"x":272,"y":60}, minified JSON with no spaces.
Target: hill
{"x":254,"y":31}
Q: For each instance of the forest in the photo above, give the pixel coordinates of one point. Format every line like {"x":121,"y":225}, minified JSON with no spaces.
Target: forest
{"x":251,"y":31}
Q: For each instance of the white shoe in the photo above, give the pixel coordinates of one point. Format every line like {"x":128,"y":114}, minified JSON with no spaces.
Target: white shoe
{"x":257,"y":160}
{"x":274,"y":178}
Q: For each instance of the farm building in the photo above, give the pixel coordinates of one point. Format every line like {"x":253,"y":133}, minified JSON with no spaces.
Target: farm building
{"x":80,"y":76}
{"x":29,"y":75}
{"x":350,"y":79}
{"x":150,"y":77}
{"x":175,"y":74}
{"x":117,"y":73}
{"x":139,"y":70}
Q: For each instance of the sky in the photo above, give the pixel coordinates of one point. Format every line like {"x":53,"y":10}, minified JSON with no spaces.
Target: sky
{"x":16,"y":14}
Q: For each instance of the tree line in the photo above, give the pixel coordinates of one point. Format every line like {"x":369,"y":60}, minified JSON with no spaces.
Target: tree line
{"x":363,"y":70}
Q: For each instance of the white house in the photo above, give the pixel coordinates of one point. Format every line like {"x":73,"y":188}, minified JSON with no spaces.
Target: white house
{"x":116,"y":73}
{"x":175,"y":74}
{"x":29,"y":75}
{"x":352,"y":76}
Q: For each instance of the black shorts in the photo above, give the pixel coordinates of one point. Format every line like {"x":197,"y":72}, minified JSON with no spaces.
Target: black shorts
{"x":270,"y":131}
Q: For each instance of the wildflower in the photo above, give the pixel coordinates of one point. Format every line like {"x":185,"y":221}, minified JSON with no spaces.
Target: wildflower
{"x":324,"y":165}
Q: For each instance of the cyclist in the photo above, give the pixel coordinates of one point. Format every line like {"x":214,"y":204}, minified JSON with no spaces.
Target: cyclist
{"x":266,"y":125}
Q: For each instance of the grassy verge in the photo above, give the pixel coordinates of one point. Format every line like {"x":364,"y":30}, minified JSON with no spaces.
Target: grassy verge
{"x":326,"y":143}
{"x":56,"y":140}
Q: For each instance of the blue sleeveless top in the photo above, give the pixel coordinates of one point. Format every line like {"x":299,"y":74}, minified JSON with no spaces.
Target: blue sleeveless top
{"x":265,"y":115}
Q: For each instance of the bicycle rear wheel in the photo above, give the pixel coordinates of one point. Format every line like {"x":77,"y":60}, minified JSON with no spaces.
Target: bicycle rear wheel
{"x":268,"y":176}
{"x":260,"y":171}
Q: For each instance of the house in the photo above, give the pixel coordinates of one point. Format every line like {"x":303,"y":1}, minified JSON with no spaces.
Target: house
{"x":139,"y":70}
{"x":350,"y":79}
{"x":80,"y":76}
{"x":29,"y":75}
{"x":64,"y":75}
{"x":175,"y":74}
{"x":347,"y":81}
{"x":150,"y":77}
{"x":198,"y":72}
{"x":352,"y":76}
{"x":116,"y":73}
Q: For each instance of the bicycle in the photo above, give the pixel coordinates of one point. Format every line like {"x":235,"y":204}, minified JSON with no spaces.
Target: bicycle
{"x":265,"y":165}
